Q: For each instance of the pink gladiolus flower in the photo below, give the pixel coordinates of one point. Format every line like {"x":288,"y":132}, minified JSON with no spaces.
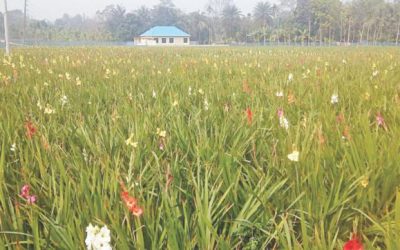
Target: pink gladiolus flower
{"x":31,"y":199}
{"x":25,"y":193}
{"x":380,"y":120}
{"x":280,"y":112}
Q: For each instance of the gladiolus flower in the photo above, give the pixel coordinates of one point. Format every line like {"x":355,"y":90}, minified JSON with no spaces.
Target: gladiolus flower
{"x":353,"y":244}
{"x":206,"y":104}
{"x":283,"y":122}
{"x":130,"y":202}
{"x":25,"y":193}
{"x":346,"y":133}
{"x":364,"y":182}
{"x":334,"y":99}
{"x":291,"y":98}
{"x":290,"y":77}
{"x":340,"y":118}
{"x":49,"y":110}
{"x":380,"y":120}
{"x":98,"y":239}
{"x":249,"y":116}
{"x":279,"y":94}
{"x":131,"y":142}
{"x":64,"y":100}
{"x":294,"y":156}
{"x":31,"y":199}
{"x":30,"y":129}
{"x":161,"y":133}
{"x":280,"y":113}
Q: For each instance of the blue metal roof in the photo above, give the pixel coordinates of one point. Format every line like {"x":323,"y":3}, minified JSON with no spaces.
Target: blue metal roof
{"x":165,"y":31}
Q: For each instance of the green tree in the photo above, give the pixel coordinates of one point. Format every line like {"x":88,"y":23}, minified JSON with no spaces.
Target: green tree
{"x":231,"y":22}
{"x":262,"y":14}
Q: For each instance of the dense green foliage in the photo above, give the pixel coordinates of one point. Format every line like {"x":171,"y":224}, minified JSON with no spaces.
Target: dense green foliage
{"x":231,"y":182}
{"x":290,"y":21}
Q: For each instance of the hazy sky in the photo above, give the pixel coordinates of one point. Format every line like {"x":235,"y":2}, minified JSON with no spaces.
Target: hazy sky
{"x":52,"y":9}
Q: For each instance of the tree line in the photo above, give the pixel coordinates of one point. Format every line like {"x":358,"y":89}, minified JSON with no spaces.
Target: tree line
{"x":290,"y":21}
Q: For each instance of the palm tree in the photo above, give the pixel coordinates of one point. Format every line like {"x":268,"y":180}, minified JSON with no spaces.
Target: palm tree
{"x":230,"y":19}
{"x":263,"y":16}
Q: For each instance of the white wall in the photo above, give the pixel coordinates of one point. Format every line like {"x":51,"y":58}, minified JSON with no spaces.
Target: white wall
{"x":151,"y":41}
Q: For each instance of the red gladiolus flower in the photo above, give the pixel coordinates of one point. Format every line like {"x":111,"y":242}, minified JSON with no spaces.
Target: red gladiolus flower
{"x":249,"y":116}
{"x":130,"y":202}
{"x":25,"y":193}
{"x":353,"y":244}
{"x":30,"y":129}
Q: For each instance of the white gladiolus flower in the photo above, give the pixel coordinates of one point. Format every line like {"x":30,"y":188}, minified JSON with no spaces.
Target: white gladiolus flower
{"x":334,"y":99}
{"x":98,"y":239}
{"x":283,"y":122}
{"x":290,"y":77}
{"x":279,"y":94}
{"x":39,"y":105}
{"x":294,"y":156}
{"x":64,"y":100}
{"x":154,"y":94}
{"x":13,"y":147}
{"x":190,"y":90}
{"x":49,"y":110}
{"x":206,"y":104}
{"x":161,"y":133}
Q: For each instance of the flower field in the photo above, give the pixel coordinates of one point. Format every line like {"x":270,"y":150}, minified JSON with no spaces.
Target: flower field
{"x":191,"y":148}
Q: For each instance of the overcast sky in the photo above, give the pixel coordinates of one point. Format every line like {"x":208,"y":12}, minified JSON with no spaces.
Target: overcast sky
{"x":52,"y":9}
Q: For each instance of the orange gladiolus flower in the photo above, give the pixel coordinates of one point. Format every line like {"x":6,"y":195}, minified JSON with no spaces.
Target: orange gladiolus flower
{"x":249,"y":116}
{"x":130,"y":202}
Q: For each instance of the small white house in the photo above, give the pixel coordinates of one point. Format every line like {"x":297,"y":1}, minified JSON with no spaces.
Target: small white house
{"x":163,"y":36}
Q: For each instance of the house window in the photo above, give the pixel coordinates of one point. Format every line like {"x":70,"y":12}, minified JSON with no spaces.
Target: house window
{"x":156,"y":39}
{"x":171,"y":40}
{"x":185,"y":40}
{"x":164,"y":40}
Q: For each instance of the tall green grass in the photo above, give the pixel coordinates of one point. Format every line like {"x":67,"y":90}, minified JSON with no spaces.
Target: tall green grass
{"x":233,"y":185}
